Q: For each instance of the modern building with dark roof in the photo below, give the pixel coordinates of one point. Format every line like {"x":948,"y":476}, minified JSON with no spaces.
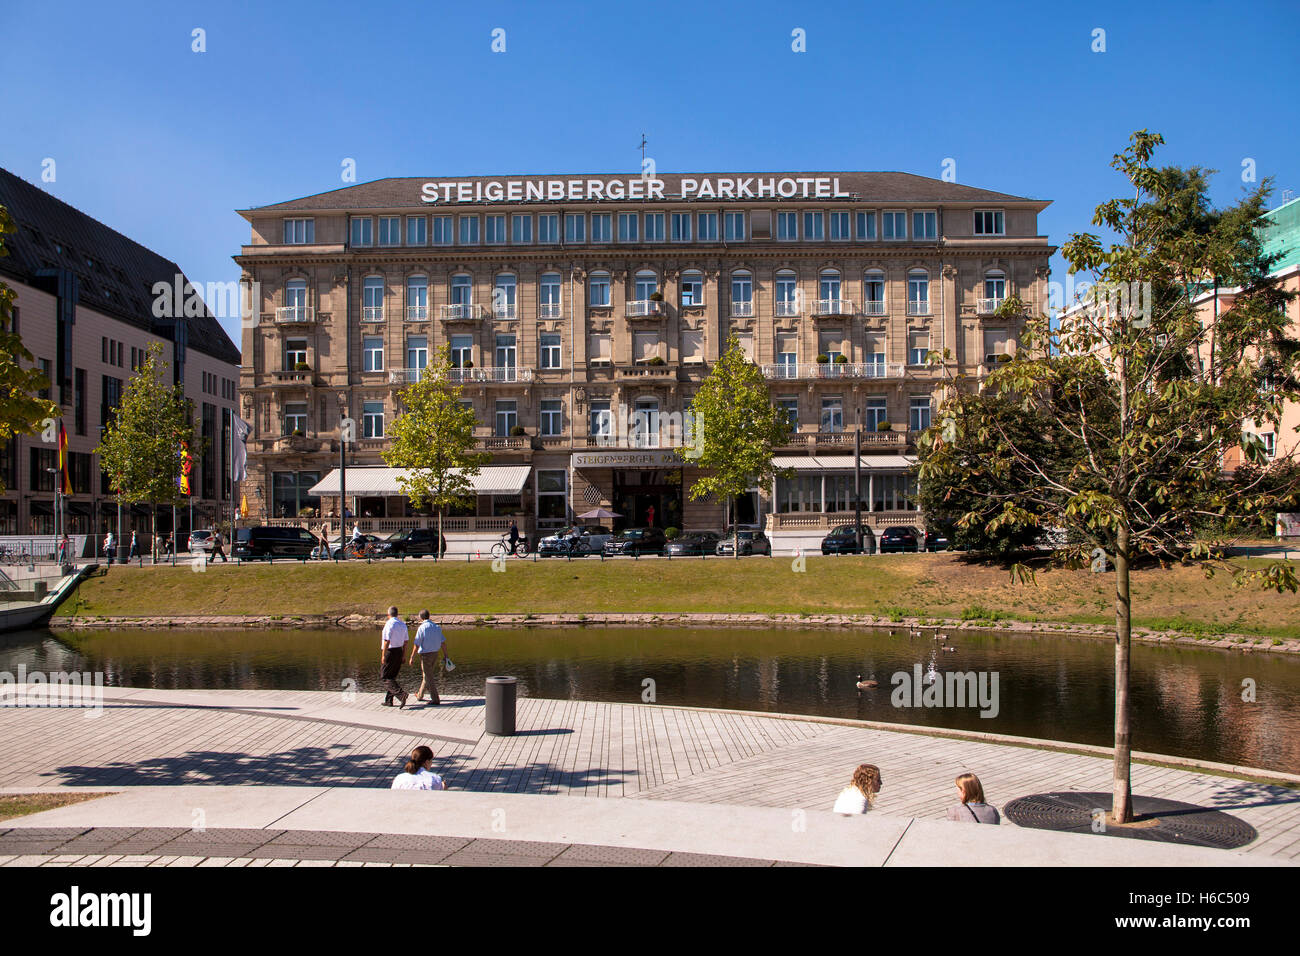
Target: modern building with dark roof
{"x":87,"y":308}
{"x":582,"y":312}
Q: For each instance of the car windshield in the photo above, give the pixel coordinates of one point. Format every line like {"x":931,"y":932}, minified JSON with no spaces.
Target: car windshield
{"x":400,"y":536}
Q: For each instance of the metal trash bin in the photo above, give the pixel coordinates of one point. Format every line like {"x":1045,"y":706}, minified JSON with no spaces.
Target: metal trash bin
{"x":500,"y":703}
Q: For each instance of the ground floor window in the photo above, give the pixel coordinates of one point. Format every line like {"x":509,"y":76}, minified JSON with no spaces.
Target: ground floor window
{"x":893,"y":493}
{"x":505,"y":506}
{"x":552,"y":498}
{"x":8,"y":517}
{"x":289,"y":497}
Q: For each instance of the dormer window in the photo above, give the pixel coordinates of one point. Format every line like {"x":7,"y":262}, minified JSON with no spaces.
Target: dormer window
{"x":989,"y":222}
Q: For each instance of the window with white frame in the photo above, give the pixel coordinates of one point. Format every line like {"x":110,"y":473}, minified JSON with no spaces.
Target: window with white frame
{"x":417,"y":353}
{"x":295,"y":353}
{"x":462,"y":349}
{"x":787,"y":293}
{"x":372,"y":353}
{"x":839,"y":226}
{"x":462,"y":289}
{"x":507,"y":417}
{"x":814,"y":226}
{"x":876,"y":412}
{"x":828,"y":286}
{"x":372,"y":419}
{"x":503,"y":296}
{"x":417,"y":230}
{"x":654,"y":227}
{"x":1270,"y":444}
{"x":918,"y":292}
{"x":600,"y":422}
{"x":598,"y":289}
{"x":299,"y":231}
{"x":873,"y":353}
{"x":549,"y":349}
{"x":521,"y":229}
{"x":787,"y":354}
{"x":832,"y":413}
{"x":734,"y":227}
{"x":790,"y":405}
{"x":417,"y":298}
{"x":787,"y":226}
{"x":742,"y":293}
{"x":469,"y":230}
{"x":552,"y":417}
{"x":866,"y":225}
{"x":548,"y":228}
{"x":494,"y":230}
{"x":362,"y":231}
{"x":706,"y":227}
{"x":918,"y":413}
{"x":692,"y":288}
{"x":602,"y":227}
{"x":644,"y":284}
{"x":442,"y":234}
{"x":295,"y":418}
{"x":830,"y":342}
{"x":295,"y":299}
{"x":893,"y":224}
{"x":552,"y":495}
{"x":390,"y":230}
{"x":548,"y":296}
{"x":372,"y":296}
{"x":575,"y":227}
{"x":873,"y":292}
{"x":995,"y":291}
{"x":989,"y":222}
{"x":680,"y":222}
{"x":925,"y":225}
{"x":918,"y":346}
{"x":598,"y":348}
{"x":629,"y":227}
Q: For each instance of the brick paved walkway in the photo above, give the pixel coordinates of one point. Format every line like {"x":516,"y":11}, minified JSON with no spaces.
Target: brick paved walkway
{"x":585,"y":749}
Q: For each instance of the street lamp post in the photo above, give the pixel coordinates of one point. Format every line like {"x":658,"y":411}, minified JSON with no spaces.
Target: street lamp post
{"x":857,"y":482}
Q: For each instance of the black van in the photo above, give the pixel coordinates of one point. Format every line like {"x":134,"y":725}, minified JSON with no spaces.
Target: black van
{"x":265,"y":542}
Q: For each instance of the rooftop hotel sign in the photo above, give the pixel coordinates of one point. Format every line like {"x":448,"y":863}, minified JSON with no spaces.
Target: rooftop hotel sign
{"x":633,"y":189}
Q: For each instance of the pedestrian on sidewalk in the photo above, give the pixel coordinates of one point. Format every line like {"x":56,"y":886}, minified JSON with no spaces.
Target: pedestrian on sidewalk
{"x":217,"y":550}
{"x":390,"y":657}
{"x":167,"y":544}
{"x":65,"y":549}
{"x":135,"y":547}
{"x":972,"y":808}
{"x":418,"y":773}
{"x":429,"y":642}
{"x":860,"y":795}
{"x":110,"y":546}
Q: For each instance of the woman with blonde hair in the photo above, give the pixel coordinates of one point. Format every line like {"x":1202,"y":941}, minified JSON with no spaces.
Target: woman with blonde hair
{"x":972,"y":808}
{"x":860,"y":795}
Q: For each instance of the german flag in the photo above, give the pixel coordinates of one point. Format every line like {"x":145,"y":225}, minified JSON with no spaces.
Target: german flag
{"x":65,"y":482}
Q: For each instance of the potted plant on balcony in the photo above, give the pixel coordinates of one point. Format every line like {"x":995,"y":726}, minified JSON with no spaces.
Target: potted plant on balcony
{"x":517,"y":431}
{"x":823,"y":359}
{"x":841,"y":360}
{"x":301,"y":367}
{"x":883,"y":426}
{"x":656,"y":296}
{"x":655,"y":360}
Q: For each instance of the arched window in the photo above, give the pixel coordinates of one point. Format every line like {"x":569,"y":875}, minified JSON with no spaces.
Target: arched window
{"x":828,"y":286}
{"x":548,"y":296}
{"x":372,"y":296}
{"x":787,"y":293}
{"x":995,"y":290}
{"x":417,"y":298}
{"x":873,"y":292}
{"x":503,"y":296}
{"x":918,"y":292}
{"x":598,"y":289}
{"x":742,"y":294}
{"x":295,"y":301}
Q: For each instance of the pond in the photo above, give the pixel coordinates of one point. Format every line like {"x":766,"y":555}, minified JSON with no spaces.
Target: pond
{"x":1187,"y":701}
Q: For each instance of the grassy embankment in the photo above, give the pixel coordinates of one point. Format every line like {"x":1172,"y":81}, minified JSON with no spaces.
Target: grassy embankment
{"x":927,"y":586}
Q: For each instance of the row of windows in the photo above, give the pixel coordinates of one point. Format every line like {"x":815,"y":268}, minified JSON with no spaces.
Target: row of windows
{"x":495,"y":229}
{"x":212,"y":382}
{"x":830,"y":288}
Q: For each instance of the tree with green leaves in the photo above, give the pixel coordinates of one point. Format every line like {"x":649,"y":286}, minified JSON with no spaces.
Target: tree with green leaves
{"x":736,"y":429}
{"x":1142,"y":389}
{"x":141,"y":444}
{"x":22,"y":412}
{"x":433,"y":440}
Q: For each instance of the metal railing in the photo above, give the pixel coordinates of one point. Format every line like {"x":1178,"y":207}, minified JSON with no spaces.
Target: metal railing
{"x":989,"y":306}
{"x":644,"y":307}
{"x":460,"y":310}
{"x":550,"y":310}
{"x":824,"y":370}
{"x":504,"y":313}
{"x":372,"y":313}
{"x":833,"y":307}
{"x":918,"y":306}
{"x":417,"y":313}
{"x":873,"y":307}
{"x":742,"y":310}
{"x":786,"y":310}
{"x":295,"y":313}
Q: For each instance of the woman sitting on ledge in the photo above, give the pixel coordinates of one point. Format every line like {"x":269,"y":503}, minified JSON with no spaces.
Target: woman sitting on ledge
{"x":972,"y":808}
{"x":418,"y":774}
{"x":860,"y":795}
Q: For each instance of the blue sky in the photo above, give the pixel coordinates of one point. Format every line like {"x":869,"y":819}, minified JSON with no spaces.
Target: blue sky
{"x":163,"y":143}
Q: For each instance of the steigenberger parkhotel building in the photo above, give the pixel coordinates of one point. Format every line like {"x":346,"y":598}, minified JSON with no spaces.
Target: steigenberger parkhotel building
{"x":582,"y":313}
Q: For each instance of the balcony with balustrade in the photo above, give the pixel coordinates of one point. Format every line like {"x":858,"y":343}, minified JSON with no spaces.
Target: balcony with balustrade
{"x":787,"y":309}
{"x":550,"y":310}
{"x":918,"y":306}
{"x":417,"y":313}
{"x":988,"y":306}
{"x":873,"y":442}
{"x":644,"y":309}
{"x":461,"y":312}
{"x":372,"y":313}
{"x":873,"y":307}
{"x":832,"y":308}
{"x":742,"y":310}
{"x":295,"y":315}
{"x":505,"y":313}
{"x":490,"y":375}
{"x":833,"y":370}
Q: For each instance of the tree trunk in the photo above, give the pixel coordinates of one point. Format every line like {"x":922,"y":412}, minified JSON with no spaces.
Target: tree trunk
{"x":440,"y":546}
{"x":153,"y":531}
{"x":1122,"y":792}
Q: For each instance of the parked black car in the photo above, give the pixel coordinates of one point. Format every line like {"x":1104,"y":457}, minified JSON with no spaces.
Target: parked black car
{"x":899,"y":538}
{"x":844,"y":540}
{"x":693,"y":544}
{"x":938,"y":539}
{"x":268,"y":542}
{"x":744,"y":542}
{"x":636,"y":541}
{"x":409,"y":543}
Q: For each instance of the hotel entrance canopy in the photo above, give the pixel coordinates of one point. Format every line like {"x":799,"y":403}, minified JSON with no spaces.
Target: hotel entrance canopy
{"x":382,"y":482}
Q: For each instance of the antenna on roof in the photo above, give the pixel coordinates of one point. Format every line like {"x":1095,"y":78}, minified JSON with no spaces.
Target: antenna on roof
{"x":1287,"y":196}
{"x":643,"y":143}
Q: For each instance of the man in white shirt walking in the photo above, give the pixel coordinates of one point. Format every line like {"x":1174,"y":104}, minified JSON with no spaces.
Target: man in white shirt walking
{"x":390,"y":657}
{"x":428,"y":643}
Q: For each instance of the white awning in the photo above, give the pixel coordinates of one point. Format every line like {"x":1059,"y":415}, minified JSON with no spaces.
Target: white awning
{"x":382,"y":482}
{"x":821,"y":463}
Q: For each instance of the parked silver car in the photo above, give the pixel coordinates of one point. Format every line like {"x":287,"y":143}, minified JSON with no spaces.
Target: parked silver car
{"x":575,"y":540}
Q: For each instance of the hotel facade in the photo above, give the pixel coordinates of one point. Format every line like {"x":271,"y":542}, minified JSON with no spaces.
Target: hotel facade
{"x":85,"y":307}
{"x":581,"y":315}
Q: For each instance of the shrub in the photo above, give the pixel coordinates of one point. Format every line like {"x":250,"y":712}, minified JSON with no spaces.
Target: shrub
{"x":517,"y":431}
{"x":823,"y":359}
{"x":841,"y":360}
{"x":302,"y":367}
{"x":671,"y":533}
{"x":656,"y":296}
{"x":883,"y":426}
{"x":656,"y":360}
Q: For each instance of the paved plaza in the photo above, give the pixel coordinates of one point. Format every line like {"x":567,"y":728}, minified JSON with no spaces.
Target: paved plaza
{"x":284,"y":741}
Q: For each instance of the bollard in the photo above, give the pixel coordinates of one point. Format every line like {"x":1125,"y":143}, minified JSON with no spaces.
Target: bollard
{"x":499,"y":710}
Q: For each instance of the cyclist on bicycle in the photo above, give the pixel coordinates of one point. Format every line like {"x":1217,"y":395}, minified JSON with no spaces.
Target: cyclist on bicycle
{"x":514,"y":536}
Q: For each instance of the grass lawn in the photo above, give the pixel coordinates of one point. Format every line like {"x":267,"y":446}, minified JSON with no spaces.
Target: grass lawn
{"x":937,"y":586}
{"x":20,"y":804}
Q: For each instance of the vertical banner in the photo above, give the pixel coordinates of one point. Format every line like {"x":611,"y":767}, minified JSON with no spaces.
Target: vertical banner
{"x":239,"y":450}
{"x":183,"y":481}
{"x":65,"y":482}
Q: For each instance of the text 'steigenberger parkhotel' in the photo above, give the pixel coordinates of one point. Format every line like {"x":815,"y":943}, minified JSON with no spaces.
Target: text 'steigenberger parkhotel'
{"x":582,"y":312}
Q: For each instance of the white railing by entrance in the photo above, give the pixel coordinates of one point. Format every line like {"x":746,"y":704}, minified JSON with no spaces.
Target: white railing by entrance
{"x":873,"y":308}
{"x":460,"y":311}
{"x":549,"y":310}
{"x":786,"y":310}
{"x":637,"y":308}
{"x":295,"y":313}
{"x":372,"y":313}
{"x":989,"y":306}
{"x":417,"y":313}
{"x":823,"y":370}
{"x":742,"y":310}
{"x":832,"y":307}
